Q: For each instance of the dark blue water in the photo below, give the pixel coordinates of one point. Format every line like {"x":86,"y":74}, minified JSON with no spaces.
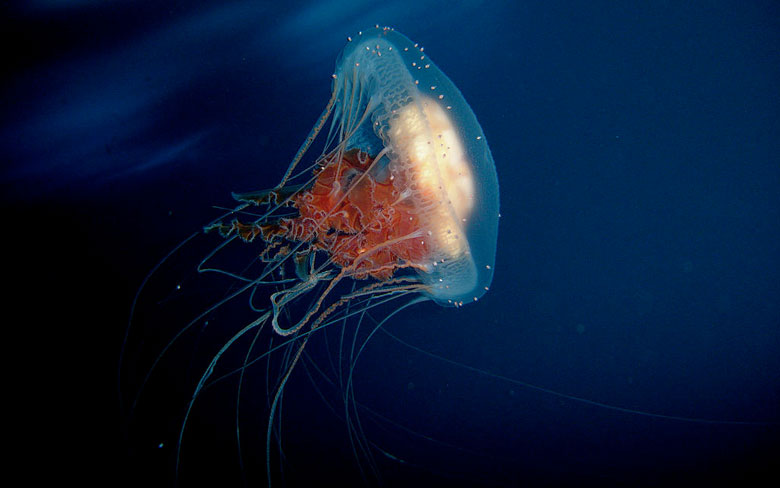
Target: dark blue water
{"x":638,"y":261}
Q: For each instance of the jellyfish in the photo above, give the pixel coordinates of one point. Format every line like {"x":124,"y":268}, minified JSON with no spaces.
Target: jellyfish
{"x":400,"y":206}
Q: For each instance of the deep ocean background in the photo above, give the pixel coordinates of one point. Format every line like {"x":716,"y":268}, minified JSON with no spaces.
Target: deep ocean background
{"x":638,"y":153}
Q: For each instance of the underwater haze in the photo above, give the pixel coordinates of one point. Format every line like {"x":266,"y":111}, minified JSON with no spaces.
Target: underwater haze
{"x":631,"y":334}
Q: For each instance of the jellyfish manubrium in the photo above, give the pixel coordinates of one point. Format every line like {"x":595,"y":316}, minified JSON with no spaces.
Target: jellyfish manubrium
{"x":400,"y":206}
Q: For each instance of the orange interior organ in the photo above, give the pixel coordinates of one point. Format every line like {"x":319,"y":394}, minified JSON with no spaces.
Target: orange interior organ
{"x":358,"y":220}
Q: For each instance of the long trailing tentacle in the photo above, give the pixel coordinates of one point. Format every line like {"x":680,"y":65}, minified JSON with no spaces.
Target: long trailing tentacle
{"x":205,"y":376}
{"x":350,"y":400}
{"x":310,"y":138}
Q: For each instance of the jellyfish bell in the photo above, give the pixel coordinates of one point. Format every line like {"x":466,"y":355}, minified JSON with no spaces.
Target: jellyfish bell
{"x":436,"y":153}
{"x":401,"y":203}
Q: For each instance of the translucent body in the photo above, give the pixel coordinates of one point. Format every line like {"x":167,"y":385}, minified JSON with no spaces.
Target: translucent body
{"x":436,"y":155}
{"x":401,"y":204}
